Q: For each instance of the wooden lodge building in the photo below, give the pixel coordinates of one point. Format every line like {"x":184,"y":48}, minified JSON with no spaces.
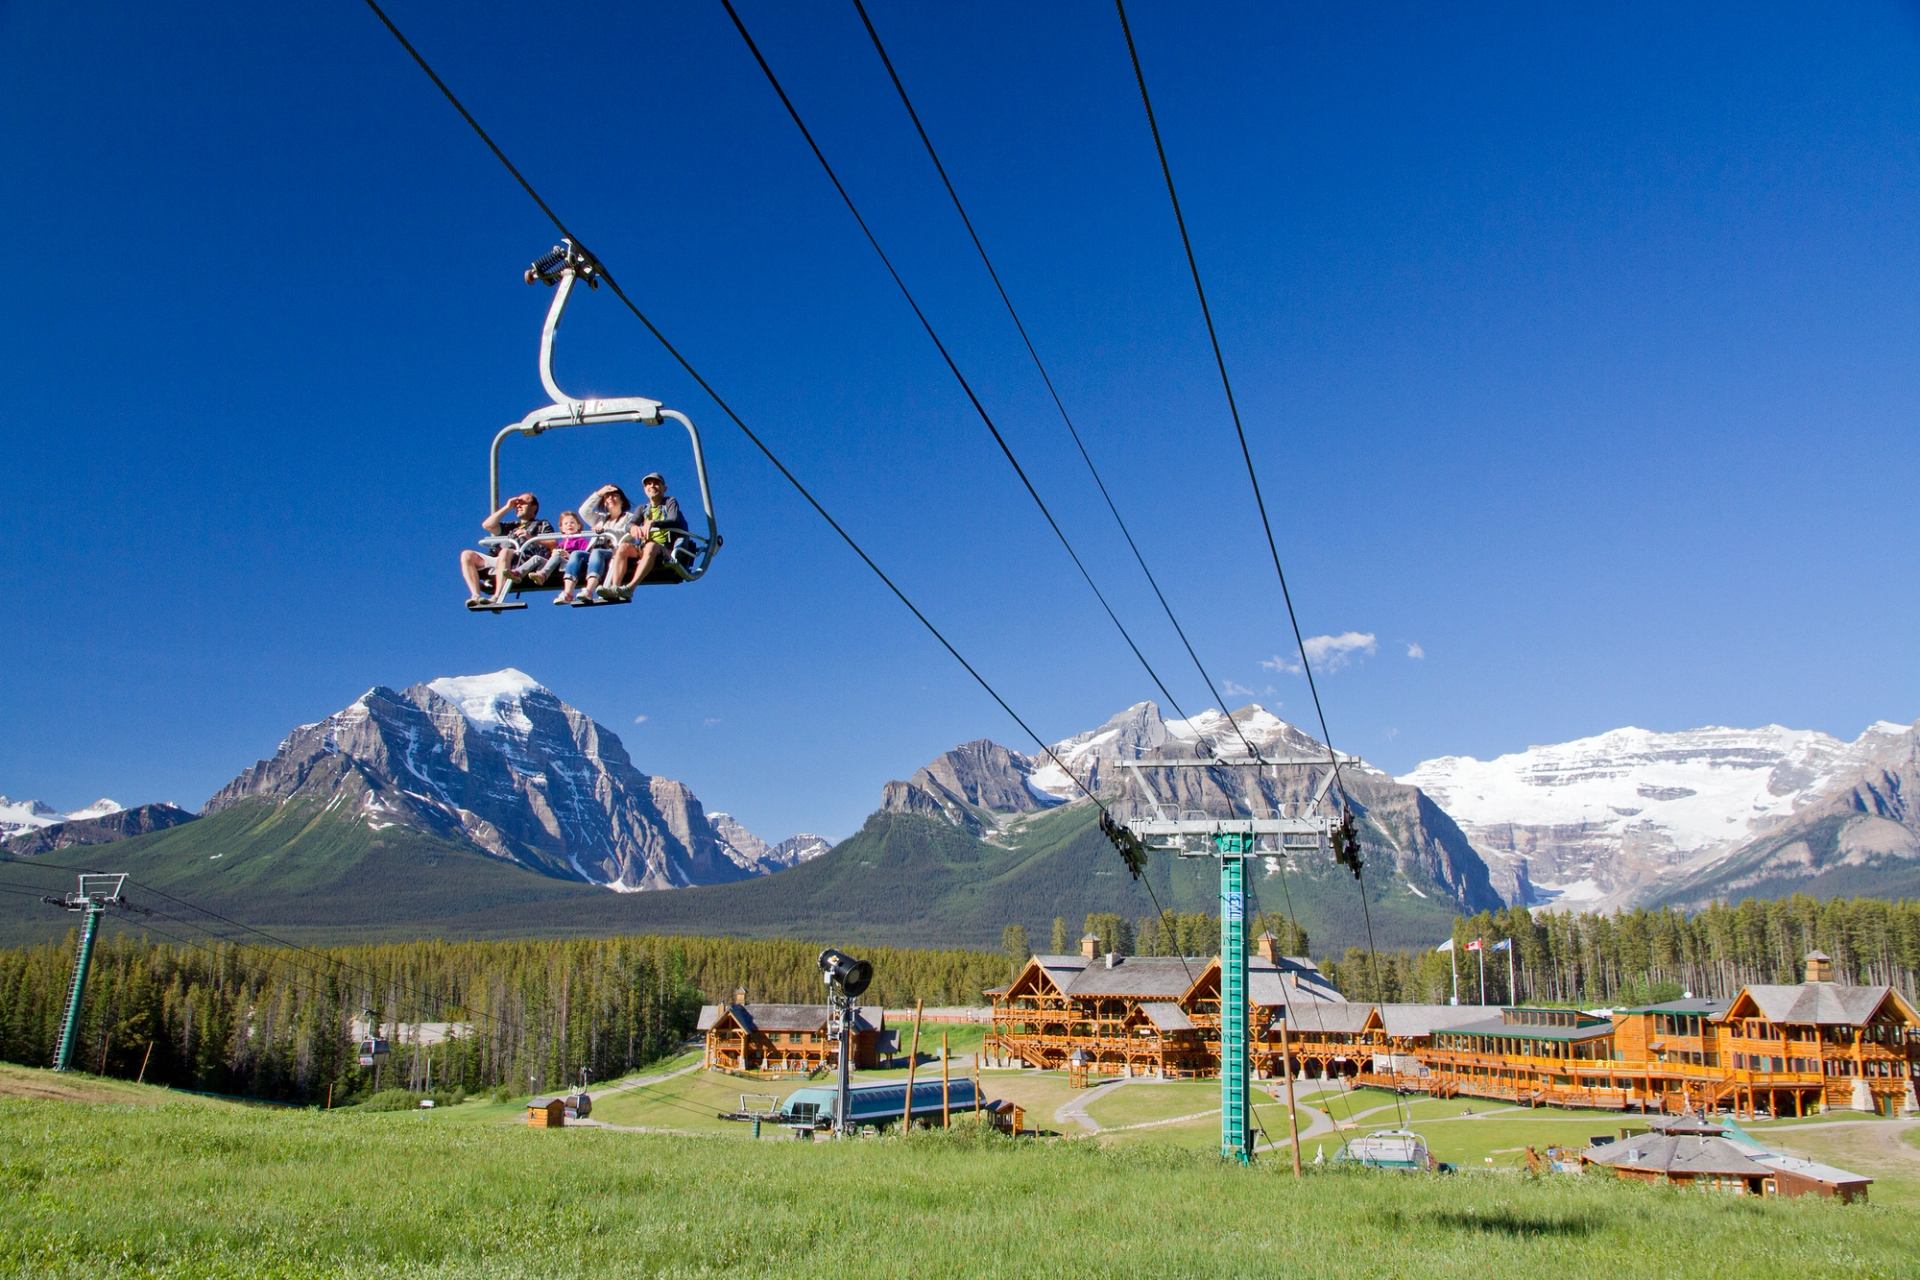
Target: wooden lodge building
{"x":1143,"y":1015}
{"x":786,"y":1039}
{"x":1784,"y":1050}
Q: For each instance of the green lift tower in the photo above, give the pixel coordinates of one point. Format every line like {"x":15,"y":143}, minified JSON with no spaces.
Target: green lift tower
{"x":1263,"y":830}
{"x":97,"y":893}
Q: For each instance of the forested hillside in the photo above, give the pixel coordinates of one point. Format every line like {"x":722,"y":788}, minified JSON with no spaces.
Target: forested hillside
{"x":273,"y":1022}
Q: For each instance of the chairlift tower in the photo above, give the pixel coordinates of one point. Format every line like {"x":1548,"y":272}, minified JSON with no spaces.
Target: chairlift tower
{"x":95,"y":895}
{"x":1260,"y":833}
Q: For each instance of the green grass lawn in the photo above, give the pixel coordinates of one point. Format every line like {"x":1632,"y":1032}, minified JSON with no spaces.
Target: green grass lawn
{"x":1144,"y":1102}
{"x":179,"y":1190}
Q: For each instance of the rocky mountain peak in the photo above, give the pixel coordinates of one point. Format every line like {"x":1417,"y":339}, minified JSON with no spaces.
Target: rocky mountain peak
{"x":1601,"y":822}
{"x":501,"y":762}
{"x":981,"y":786}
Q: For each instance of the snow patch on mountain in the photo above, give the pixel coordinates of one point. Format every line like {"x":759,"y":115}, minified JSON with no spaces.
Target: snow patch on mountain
{"x":17,"y":816}
{"x":491,"y":699}
{"x":1597,"y":821}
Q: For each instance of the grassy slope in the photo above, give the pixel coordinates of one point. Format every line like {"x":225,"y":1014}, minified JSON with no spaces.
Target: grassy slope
{"x":186,"y":1190}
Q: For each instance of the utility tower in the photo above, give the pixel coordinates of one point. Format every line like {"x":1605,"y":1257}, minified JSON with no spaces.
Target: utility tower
{"x":96,"y":894}
{"x":1259,"y":833}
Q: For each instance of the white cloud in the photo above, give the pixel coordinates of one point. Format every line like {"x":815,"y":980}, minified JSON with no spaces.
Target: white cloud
{"x":1233,"y":688}
{"x":1415,"y":649}
{"x":1327,"y":653}
{"x":641,"y":719}
{"x":711,"y":721}
{"x":1392,"y":733}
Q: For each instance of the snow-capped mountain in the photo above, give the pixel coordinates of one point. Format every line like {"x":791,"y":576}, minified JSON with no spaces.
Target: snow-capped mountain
{"x":96,"y":825}
{"x":1605,"y":821}
{"x":751,"y":851}
{"x":1859,"y":833}
{"x":17,"y":816}
{"x":499,"y":762}
{"x":982,"y":786}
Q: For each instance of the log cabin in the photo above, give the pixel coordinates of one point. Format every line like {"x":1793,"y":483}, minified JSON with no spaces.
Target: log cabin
{"x":785,"y":1039}
{"x":1780,"y":1050}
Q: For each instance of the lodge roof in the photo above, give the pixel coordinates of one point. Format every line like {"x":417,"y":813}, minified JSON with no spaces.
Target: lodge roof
{"x":1502,"y":1029}
{"x":1703,"y":1006}
{"x":1330,"y":1016}
{"x":1679,"y":1153}
{"x":1411,"y":1021}
{"x":1166,"y":1016}
{"x":1060,"y":970}
{"x":778,"y":1017}
{"x":1294,"y":977}
{"x":1818,"y":1003}
{"x":1147,"y":976}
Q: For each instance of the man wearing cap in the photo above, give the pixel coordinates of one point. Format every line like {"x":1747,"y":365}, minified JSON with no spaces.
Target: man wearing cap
{"x":647,"y":542}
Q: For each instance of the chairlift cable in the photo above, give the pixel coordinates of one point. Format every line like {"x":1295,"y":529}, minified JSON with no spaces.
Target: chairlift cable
{"x":952,"y":366}
{"x":1233,"y":406}
{"x":1040,"y":366}
{"x":1226,"y":382}
{"x":687,"y":366}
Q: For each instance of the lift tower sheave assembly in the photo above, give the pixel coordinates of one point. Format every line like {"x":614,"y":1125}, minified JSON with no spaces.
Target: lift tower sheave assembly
{"x":96,"y":894}
{"x":1259,"y":833}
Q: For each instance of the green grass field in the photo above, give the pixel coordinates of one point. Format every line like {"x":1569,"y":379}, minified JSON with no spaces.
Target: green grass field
{"x":106,"y":1179}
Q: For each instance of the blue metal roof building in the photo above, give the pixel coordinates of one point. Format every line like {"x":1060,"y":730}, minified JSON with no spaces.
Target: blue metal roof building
{"x":880,"y":1104}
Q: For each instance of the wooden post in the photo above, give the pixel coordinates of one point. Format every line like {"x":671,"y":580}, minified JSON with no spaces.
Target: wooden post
{"x":946,"y":1116}
{"x":1293,"y":1118}
{"x":329,"y":1105}
{"x":144,"y":1058}
{"x":976,"y":1084}
{"x":913,"y":1063}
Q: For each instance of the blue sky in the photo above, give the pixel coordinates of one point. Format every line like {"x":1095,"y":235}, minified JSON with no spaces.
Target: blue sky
{"x":1576,"y":348}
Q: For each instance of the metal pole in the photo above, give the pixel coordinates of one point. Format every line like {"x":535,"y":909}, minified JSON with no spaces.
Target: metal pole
{"x":946,"y":1116}
{"x":1236,"y":1136}
{"x":70,"y":1025}
{"x":843,"y":1090}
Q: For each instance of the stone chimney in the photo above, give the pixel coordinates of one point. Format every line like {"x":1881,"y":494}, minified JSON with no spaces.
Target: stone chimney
{"x":1269,"y":948}
{"x":1113,"y":958}
{"x":1090,"y":946}
{"x":1819,"y":967}
{"x":739,"y":995}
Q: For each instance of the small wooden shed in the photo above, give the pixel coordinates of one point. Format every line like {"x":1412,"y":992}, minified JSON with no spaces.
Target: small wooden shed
{"x":547,"y":1113}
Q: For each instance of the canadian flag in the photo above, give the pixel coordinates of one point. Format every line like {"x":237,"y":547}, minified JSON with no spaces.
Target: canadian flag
{"x":1474,"y":945}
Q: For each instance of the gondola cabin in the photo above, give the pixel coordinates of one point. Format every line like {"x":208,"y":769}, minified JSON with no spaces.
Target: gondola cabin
{"x":373,"y":1051}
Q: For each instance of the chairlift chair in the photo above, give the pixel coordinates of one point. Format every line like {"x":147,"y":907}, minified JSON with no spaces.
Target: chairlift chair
{"x":690,"y":553}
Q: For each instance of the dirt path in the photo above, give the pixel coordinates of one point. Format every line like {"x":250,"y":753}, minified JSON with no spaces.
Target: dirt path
{"x":1864,"y":1145}
{"x":1074,"y":1112}
{"x":641,"y":1082}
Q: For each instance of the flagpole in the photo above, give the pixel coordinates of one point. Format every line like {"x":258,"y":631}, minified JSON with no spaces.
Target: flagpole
{"x":1483,"y":976}
{"x":1512,"y":994}
{"x":1453,"y":959}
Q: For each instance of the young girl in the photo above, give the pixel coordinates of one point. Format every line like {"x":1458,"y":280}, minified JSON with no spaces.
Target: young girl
{"x":572,"y":548}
